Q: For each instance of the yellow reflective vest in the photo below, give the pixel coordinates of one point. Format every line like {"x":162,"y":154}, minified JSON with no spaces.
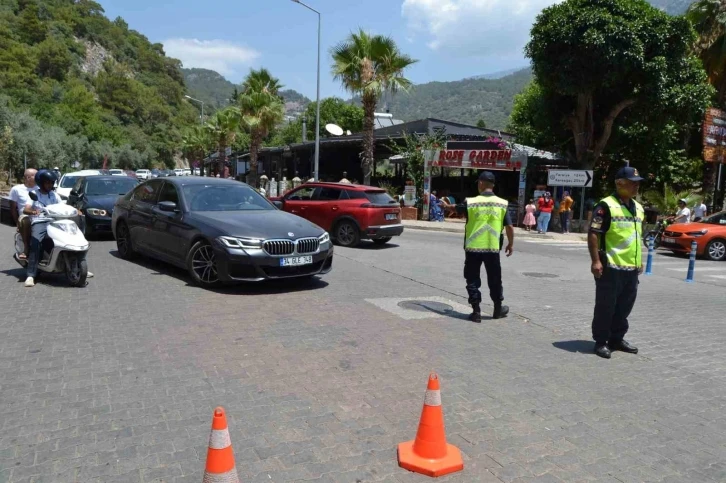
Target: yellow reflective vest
{"x":623,"y":240}
{"x":484,"y":223}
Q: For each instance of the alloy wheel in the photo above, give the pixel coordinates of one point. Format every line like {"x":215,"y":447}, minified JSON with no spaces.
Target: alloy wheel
{"x":346,"y":234}
{"x":122,"y":240}
{"x":717,"y":250}
{"x":204,"y":266}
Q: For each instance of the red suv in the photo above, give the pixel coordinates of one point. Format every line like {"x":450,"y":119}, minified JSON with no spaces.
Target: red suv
{"x":348,"y":212}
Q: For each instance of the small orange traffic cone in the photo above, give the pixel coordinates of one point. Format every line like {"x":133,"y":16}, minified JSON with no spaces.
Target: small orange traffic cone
{"x":430,"y":454}
{"x":220,"y":458}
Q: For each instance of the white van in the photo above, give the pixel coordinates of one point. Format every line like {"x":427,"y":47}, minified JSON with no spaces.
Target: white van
{"x":117,"y":172}
{"x":143,"y":174}
{"x":68,"y":180}
{"x":178,"y":172}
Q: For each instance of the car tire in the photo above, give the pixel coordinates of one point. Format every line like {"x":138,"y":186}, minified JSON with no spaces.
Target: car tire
{"x":124,"y":245}
{"x":347,"y":234}
{"x":716,"y":250}
{"x":382,"y":241}
{"x":202,"y":265}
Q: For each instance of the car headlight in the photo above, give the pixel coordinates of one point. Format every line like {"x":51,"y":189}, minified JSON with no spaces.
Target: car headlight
{"x":324,"y":238}
{"x":234,"y":242}
{"x":95,"y":212}
{"x":696,"y":233}
{"x":71,"y":228}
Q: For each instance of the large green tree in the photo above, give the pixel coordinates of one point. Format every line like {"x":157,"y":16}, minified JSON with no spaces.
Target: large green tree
{"x":709,"y":20}
{"x":261,"y":110}
{"x":604,"y":64}
{"x":368,"y":66}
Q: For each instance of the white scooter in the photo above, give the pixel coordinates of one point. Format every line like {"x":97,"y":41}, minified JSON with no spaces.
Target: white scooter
{"x":64,"y":248}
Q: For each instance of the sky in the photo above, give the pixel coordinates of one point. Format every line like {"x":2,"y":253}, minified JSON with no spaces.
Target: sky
{"x":451,"y":39}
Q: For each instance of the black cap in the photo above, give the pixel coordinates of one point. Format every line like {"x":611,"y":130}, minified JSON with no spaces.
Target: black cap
{"x":628,"y":173}
{"x":487,"y":176}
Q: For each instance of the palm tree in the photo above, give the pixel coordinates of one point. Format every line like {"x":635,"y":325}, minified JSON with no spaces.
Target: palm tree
{"x":709,"y":20}
{"x":666,"y":202}
{"x":197,"y":143}
{"x":223,"y":127}
{"x":369,"y":66}
{"x":261,"y":110}
{"x":261,"y":81}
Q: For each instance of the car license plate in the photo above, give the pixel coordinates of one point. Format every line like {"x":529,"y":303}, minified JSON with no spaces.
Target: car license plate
{"x":295,"y":261}
{"x":669,"y":240}
{"x":391,"y":216}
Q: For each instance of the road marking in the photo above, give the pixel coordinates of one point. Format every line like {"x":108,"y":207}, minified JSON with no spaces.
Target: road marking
{"x":556,"y":242}
{"x":720,"y":277}
{"x":700,"y":269}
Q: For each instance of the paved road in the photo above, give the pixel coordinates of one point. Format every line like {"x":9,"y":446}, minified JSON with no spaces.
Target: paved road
{"x":117,"y":381}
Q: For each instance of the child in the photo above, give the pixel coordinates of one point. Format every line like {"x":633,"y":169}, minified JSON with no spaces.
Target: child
{"x":529,"y":220}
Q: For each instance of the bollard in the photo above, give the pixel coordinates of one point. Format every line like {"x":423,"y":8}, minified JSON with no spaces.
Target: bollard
{"x":649,"y":264}
{"x":691,"y":262}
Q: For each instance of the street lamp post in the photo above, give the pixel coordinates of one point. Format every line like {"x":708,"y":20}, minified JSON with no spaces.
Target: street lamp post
{"x":317,"y":114}
{"x":200,"y":102}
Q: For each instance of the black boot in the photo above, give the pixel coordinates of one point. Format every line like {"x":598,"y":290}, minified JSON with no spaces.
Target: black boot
{"x":500,"y":311}
{"x":476,"y":314}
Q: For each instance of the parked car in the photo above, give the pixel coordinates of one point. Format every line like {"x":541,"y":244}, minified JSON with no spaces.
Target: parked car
{"x":709,"y":235}
{"x":143,"y":174}
{"x":220,"y":230}
{"x":131,"y":174}
{"x":349,"y":212}
{"x":95,"y":196}
{"x":116,"y":172}
{"x":154,"y":173}
{"x":187,"y":172}
{"x":163,"y":173}
{"x":178,"y":172}
{"x":68,"y":180}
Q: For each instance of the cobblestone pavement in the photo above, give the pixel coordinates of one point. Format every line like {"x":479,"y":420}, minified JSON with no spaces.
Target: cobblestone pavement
{"x":117,"y":381}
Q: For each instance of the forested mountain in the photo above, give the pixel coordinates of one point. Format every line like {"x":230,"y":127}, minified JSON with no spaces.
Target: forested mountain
{"x":76,"y":86}
{"x":208,"y":86}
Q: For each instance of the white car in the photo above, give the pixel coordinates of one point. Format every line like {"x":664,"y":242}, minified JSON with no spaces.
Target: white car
{"x":187,"y":172}
{"x":68,"y":180}
{"x":117,"y":172}
{"x":178,"y":172}
{"x":143,"y":174}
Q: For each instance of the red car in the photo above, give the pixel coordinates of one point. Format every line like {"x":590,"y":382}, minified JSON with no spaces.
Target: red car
{"x":349,"y":212}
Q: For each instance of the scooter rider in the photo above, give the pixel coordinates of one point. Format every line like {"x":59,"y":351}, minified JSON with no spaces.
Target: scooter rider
{"x":45,"y":181}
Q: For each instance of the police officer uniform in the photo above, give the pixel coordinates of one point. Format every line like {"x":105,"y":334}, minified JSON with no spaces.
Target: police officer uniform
{"x":619,"y":226}
{"x":486,"y":217}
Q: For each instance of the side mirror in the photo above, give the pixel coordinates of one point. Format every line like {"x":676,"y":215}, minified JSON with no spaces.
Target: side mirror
{"x":278,"y":204}
{"x":167,"y":206}
{"x":33,"y":196}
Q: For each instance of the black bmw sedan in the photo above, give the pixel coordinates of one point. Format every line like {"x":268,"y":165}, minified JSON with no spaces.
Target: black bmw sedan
{"x":95,"y":197}
{"x":220,"y":230}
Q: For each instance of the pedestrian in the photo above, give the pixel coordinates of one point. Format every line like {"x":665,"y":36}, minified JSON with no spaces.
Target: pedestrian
{"x":529,"y":219}
{"x":486,"y":217}
{"x":565,"y":211}
{"x":345,"y":178}
{"x":615,"y":244}
{"x":699,"y":211}
{"x":544,"y":205}
{"x":684,"y":214}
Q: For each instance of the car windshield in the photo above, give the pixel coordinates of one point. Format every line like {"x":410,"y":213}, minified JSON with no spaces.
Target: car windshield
{"x":68,"y":181}
{"x":379,"y":198}
{"x":716,"y":219}
{"x":224,"y":197}
{"x":98,"y":187}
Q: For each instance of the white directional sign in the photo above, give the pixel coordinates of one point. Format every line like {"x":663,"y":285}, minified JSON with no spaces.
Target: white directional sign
{"x":566,"y":177}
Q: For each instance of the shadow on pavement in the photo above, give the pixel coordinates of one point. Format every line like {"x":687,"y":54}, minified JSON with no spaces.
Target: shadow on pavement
{"x":369,"y":245}
{"x":576,"y":346}
{"x":49,"y":279}
{"x":268,"y":287}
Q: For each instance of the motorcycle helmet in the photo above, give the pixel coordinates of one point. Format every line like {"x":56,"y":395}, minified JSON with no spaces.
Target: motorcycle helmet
{"x":44,"y":176}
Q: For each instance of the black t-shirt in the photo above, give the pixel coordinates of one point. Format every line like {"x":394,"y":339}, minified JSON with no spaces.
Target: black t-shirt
{"x":462,"y":208}
{"x":600,"y":222}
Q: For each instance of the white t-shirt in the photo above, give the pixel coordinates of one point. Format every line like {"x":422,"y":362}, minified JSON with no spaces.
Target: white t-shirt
{"x":20,"y":195}
{"x":683,"y":216}
{"x":699,"y":211}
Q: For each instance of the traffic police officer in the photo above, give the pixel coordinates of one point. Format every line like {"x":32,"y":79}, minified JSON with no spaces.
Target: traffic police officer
{"x":615,"y":243}
{"x":486,"y":216}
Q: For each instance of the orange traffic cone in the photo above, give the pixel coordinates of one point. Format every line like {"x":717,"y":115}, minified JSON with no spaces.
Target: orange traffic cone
{"x":430,"y":454}
{"x":220,"y":458}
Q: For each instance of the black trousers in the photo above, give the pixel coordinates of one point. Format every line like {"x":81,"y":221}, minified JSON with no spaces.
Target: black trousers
{"x":615,"y":294}
{"x":472,"y":275}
